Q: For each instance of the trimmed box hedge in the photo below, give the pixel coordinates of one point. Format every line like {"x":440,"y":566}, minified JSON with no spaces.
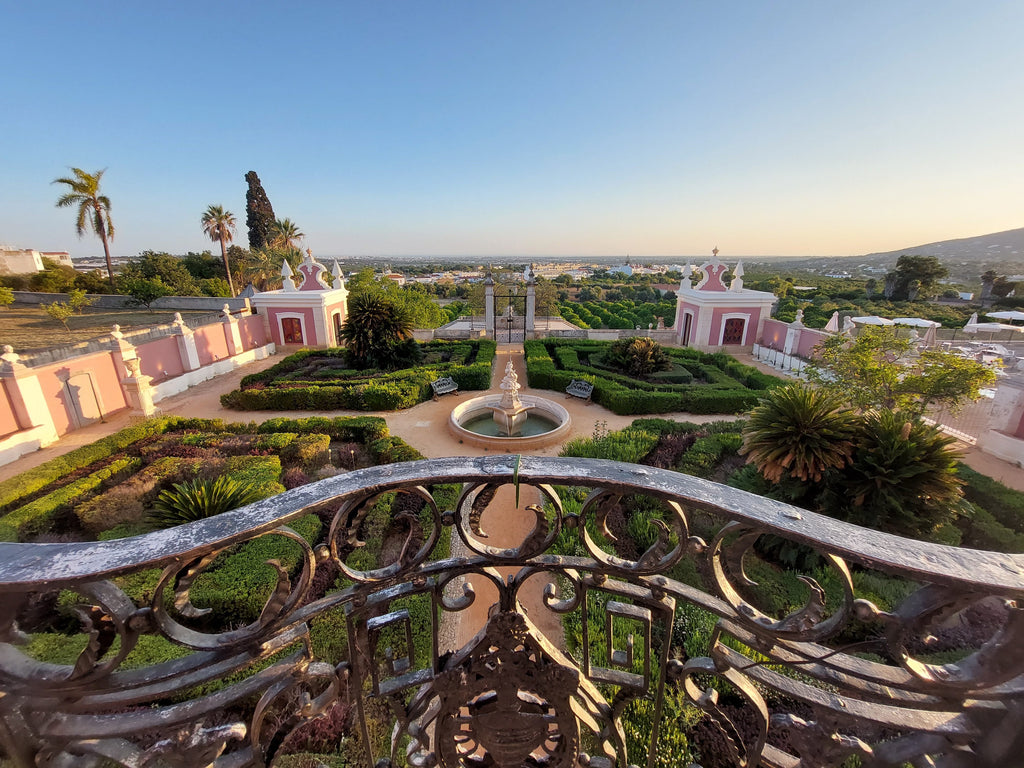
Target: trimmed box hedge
{"x":36,"y":516}
{"x":295,"y":384}
{"x":728,"y":386}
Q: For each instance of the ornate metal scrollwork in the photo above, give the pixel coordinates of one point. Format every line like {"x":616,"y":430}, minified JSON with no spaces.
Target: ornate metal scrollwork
{"x":776,"y":690}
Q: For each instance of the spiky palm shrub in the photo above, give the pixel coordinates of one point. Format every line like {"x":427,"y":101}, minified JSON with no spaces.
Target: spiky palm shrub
{"x":198,"y":499}
{"x":374,"y":328}
{"x":799,"y":432}
{"x":638,"y":356}
{"x":902,"y":478}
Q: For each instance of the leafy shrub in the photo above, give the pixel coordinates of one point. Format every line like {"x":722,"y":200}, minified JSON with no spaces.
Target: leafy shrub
{"x":293,"y":478}
{"x":237,"y":586}
{"x":36,"y":516}
{"x":360,"y":429}
{"x":391,"y":450}
{"x":629,"y":445}
{"x":198,"y":499}
{"x":706,"y":452}
{"x":309,"y":452}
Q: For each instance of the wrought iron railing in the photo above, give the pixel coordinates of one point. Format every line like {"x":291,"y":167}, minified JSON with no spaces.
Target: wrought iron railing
{"x":835,"y":682}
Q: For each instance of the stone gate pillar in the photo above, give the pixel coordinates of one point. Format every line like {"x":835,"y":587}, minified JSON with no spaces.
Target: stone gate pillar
{"x":531,"y":304}
{"x":489,"y":305}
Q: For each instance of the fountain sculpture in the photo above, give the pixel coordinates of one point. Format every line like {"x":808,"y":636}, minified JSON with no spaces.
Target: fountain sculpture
{"x":514,"y":422}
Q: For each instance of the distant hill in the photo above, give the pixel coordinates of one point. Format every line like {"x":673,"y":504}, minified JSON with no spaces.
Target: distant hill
{"x":1003,"y":247}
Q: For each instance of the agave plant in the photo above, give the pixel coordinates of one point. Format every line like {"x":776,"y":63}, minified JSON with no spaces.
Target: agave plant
{"x":198,"y":499}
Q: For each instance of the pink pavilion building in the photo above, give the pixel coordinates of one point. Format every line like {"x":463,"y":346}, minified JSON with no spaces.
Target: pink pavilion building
{"x":711,"y":315}
{"x":306,"y":311}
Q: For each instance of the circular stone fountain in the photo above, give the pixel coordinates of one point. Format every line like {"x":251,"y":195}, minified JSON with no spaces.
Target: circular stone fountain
{"x":511,"y":422}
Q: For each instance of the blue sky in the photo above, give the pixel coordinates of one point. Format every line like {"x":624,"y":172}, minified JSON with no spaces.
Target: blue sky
{"x":405,"y":127}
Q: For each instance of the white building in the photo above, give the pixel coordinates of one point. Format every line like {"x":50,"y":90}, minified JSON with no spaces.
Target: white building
{"x":22,"y":261}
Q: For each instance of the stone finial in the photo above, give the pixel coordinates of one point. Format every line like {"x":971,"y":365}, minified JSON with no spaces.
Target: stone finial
{"x":177,"y":319}
{"x":687,"y":282}
{"x":338,"y":275}
{"x":227,"y":310}
{"x":286,"y":274}
{"x":737,"y":277}
{"x":115,"y":331}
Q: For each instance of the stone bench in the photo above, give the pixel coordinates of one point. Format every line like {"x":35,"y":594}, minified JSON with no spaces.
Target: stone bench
{"x":581,"y":389}
{"x":444,"y":386}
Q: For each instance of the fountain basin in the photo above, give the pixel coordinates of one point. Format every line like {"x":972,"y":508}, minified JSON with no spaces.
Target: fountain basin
{"x":482,"y":408}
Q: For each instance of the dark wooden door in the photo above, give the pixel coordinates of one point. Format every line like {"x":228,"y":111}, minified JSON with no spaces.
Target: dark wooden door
{"x":292,"y":329}
{"x":734,"y":330}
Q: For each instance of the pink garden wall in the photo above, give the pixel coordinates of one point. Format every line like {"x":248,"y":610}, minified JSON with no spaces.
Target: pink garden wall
{"x":252,"y":332}
{"x":161,"y":359}
{"x":81,"y":390}
{"x":211,"y":343}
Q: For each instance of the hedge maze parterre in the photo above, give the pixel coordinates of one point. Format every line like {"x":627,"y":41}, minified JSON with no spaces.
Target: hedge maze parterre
{"x":319,"y":380}
{"x":103,"y":491}
{"x":697,"y":383}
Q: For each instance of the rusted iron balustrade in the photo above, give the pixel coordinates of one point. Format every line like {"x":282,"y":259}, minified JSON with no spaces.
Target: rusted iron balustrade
{"x":512,"y":697}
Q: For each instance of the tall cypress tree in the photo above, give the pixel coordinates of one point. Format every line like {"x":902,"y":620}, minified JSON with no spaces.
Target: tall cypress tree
{"x":259,"y":213}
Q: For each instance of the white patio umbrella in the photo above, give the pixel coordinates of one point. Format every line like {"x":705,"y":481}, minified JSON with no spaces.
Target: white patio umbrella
{"x":1010,"y":314}
{"x":872,"y":320}
{"x":915,"y":322}
{"x":991,"y":327}
{"x":832,"y":326}
{"x":929,"y":339}
{"x":971,"y":322}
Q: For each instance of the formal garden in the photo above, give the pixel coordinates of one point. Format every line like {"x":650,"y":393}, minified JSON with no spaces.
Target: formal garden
{"x":638,"y":376}
{"x":166,"y":471}
{"x":328,"y":379}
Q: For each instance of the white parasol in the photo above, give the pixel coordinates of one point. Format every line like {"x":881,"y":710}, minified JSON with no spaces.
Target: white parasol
{"x":915,"y":322}
{"x":1010,"y":314}
{"x":929,"y":336}
{"x":832,"y":326}
{"x":991,"y":327}
{"x":872,"y":320}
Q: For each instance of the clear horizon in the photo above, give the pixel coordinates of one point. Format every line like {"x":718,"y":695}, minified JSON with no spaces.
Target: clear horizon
{"x":468,"y":130}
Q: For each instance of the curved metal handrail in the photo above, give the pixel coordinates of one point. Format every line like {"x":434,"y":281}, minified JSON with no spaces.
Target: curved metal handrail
{"x":545,"y":705}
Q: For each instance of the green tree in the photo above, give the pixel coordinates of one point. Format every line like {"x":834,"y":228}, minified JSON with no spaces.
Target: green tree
{"x":259,"y":213}
{"x":144,"y":290}
{"x":219,"y":226}
{"x":925,"y":269}
{"x":799,"y":431}
{"x":55,"y":278}
{"x":93,"y":208}
{"x":285,"y":234}
{"x":6,"y":297}
{"x":77,"y":300}
{"x":203,"y":266}
{"x":638,"y":356}
{"x":375,"y":327}
{"x":170,"y":270}
{"x":60,"y":312}
{"x":880,"y":370}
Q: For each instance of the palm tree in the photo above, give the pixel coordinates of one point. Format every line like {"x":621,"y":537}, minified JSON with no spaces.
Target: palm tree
{"x":219,"y":225}
{"x":799,"y":432}
{"x":373,"y":330}
{"x":286,"y":234}
{"x":93,"y":208}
